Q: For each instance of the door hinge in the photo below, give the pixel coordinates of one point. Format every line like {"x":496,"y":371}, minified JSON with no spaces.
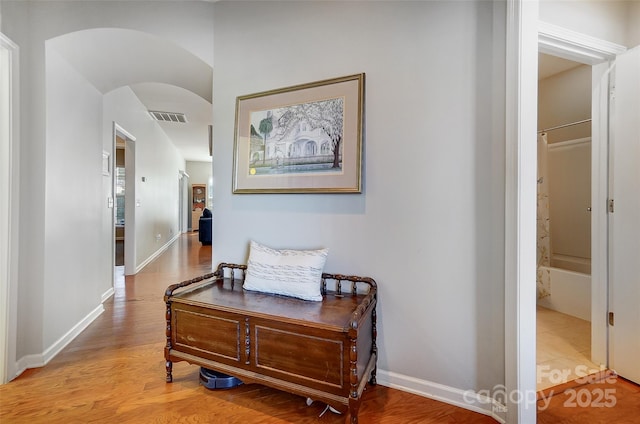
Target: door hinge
{"x":610,"y":205}
{"x":611,"y":318}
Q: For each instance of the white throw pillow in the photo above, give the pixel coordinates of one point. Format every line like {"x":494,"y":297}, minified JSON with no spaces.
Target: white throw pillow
{"x":295,"y":273}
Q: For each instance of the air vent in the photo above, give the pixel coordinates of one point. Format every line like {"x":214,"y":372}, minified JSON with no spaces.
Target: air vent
{"x":168,"y":116}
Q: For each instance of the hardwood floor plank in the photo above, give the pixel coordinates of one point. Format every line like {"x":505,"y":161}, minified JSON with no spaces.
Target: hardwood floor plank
{"x":114,"y":373}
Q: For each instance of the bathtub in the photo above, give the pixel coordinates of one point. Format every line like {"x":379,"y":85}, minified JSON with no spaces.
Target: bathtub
{"x":570,"y":293}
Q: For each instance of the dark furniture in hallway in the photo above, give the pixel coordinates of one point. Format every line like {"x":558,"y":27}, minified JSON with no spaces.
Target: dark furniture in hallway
{"x":205,"y":227}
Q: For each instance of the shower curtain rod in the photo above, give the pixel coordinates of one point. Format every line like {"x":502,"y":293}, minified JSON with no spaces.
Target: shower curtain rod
{"x":565,"y":125}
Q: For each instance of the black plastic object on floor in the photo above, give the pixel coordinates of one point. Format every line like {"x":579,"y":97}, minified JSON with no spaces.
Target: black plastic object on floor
{"x":217,"y":380}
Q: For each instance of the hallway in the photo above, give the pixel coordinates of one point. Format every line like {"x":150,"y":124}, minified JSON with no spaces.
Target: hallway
{"x":114,"y":372}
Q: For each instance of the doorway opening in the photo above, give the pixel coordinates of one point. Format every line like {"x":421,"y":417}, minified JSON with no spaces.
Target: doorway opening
{"x":597,"y":55}
{"x":120,"y":202}
{"x":123,"y":189}
{"x":563,"y":275}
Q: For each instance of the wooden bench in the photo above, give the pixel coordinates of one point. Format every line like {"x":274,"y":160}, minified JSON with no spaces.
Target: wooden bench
{"x":324,"y":350}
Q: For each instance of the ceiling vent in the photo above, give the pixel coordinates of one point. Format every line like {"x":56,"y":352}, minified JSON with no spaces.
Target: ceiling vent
{"x":168,"y":116}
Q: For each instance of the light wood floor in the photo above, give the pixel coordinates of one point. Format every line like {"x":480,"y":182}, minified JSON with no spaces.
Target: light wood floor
{"x":114,"y":373}
{"x":563,"y":348}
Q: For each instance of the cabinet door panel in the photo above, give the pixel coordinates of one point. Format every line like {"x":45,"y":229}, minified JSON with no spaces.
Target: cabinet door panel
{"x":215,"y":337}
{"x":287,"y":353}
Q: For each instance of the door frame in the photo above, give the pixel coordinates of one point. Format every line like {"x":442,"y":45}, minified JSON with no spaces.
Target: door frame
{"x":130,"y":195}
{"x":526,"y":36}
{"x":10,"y":195}
{"x":623,"y":342}
{"x":183,"y":202}
{"x":597,"y":53}
{"x":521,"y":66}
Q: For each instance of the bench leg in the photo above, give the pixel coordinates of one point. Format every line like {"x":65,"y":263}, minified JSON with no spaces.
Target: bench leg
{"x":352,"y":418}
{"x":354,"y":407}
{"x":169,"y":367}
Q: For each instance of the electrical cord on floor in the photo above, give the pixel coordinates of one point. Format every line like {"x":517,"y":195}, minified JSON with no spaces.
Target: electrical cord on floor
{"x":327,"y":408}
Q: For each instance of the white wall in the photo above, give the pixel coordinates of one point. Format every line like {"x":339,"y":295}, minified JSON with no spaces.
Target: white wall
{"x":199,"y":172}
{"x":73,"y":201}
{"x":610,"y":20}
{"x":15,"y":23}
{"x":633,"y":29}
{"x":564,"y":98}
{"x":157,"y":161}
{"x":569,"y":173}
{"x":429,"y":225}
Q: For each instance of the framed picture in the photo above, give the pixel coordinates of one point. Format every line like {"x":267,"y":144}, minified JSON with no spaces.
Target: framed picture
{"x":301,"y":139}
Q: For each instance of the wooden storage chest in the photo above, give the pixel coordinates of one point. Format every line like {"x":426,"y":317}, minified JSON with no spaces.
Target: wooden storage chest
{"x":324,"y":350}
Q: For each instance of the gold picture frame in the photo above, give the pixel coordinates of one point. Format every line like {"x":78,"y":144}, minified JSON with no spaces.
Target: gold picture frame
{"x":300,"y":139}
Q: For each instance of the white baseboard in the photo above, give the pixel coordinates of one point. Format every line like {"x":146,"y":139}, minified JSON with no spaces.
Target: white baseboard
{"x":28,"y":361}
{"x":42,"y":359}
{"x":157,"y":253}
{"x":467,"y":399}
{"x":106,"y":295}
{"x":63,"y":341}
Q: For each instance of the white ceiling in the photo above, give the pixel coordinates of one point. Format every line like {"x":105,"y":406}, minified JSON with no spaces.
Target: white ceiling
{"x":192,"y":138}
{"x":163,"y":76}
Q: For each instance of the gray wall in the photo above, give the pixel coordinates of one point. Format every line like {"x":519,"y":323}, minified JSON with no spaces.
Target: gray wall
{"x":429,"y":225}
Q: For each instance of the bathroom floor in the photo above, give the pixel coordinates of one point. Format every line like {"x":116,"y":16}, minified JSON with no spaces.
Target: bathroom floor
{"x":563,"y":348}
